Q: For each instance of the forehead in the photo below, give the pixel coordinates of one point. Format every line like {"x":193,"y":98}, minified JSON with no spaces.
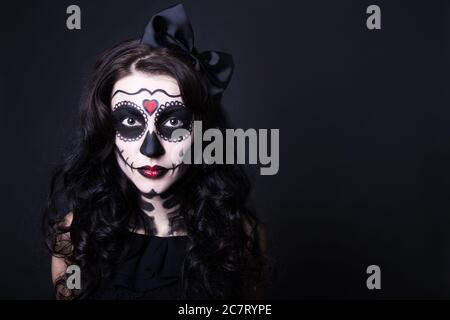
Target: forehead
{"x":138,"y":86}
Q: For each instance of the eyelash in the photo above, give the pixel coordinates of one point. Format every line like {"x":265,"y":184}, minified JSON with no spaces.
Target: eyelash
{"x":136,"y":124}
{"x":180,"y":125}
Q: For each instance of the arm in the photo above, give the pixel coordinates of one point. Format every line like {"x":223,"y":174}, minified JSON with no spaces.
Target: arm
{"x":58,"y":263}
{"x":259,"y":233}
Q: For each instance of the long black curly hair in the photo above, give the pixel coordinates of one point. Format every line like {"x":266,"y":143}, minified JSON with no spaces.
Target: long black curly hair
{"x":225,"y":258}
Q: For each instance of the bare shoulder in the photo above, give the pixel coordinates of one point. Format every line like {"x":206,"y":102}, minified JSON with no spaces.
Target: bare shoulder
{"x":68,"y":219}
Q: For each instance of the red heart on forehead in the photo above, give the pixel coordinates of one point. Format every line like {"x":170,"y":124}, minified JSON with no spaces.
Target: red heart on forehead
{"x":150,"y":105}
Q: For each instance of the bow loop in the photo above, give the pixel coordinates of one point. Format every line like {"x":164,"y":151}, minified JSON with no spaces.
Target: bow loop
{"x":171,"y":28}
{"x":218,"y":67}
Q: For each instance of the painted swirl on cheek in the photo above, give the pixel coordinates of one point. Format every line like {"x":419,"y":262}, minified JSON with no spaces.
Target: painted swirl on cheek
{"x":130,"y":121}
{"x":171,"y":116}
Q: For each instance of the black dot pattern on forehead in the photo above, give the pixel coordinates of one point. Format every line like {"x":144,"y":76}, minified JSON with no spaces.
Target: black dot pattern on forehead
{"x":123,"y":104}
{"x":158,"y":113}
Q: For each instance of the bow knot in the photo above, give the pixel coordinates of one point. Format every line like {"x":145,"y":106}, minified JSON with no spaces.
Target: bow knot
{"x":171,"y":28}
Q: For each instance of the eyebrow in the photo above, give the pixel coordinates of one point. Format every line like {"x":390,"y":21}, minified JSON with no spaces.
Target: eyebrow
{"x":146,"y":90}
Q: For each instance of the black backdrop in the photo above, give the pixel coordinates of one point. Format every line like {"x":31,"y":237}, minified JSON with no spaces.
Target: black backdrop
{"x":363,"y":118}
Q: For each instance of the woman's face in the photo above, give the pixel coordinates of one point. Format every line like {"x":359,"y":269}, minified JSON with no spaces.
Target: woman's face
{"x":147,"y":109}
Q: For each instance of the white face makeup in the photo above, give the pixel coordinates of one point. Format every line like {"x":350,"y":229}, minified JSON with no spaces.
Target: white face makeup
{"x":147,"y":109}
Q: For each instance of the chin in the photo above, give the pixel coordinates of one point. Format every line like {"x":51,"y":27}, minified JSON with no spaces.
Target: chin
{"x":153,"y":186}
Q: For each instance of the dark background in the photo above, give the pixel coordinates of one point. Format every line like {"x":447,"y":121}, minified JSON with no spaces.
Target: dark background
{"x":363,"y":116}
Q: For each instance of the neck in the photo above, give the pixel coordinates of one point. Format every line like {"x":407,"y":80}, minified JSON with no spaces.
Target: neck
{"x":163,"y":212}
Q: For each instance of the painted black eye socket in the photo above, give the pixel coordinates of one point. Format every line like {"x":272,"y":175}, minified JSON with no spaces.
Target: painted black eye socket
{"x":130,"y":121}
{"x":171,"y":116}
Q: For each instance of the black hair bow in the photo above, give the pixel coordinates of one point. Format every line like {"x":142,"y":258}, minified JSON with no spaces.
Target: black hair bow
{"x":171,"y":28}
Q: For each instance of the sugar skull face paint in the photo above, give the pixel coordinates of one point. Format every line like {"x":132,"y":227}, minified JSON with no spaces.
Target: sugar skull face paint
{"x":146,"y":109}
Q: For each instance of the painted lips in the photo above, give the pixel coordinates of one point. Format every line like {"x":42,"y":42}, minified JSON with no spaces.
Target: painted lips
{"x":152,"y":172}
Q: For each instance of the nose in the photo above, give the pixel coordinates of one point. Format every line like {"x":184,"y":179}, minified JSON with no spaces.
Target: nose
{"x":151,"y":147}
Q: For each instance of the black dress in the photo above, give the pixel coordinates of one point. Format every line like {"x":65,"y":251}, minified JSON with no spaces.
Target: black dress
{"x":150,"y":270}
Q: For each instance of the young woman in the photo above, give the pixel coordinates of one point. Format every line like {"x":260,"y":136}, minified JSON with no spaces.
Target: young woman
{"x":140,"y":223}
